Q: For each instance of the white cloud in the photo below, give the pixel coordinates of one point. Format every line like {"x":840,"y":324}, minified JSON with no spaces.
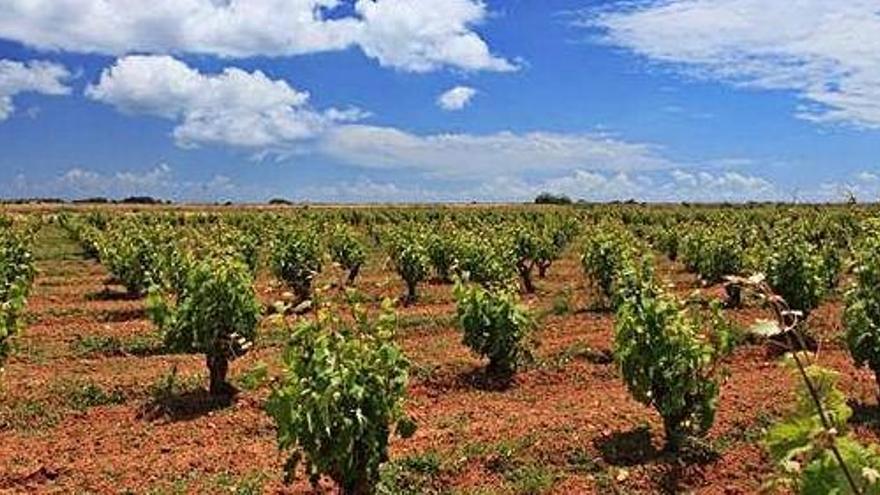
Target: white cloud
{"x":827,"y":52}
{"x":160,"y":182}
{"x":867,"y":177}
{"x":234,"y":107}
{"x":587,"y":185}
{"x":412,"y":35}
{"x":81,"y":182}
{"x":422,"y":35}
{"x":673,"y":186}
{"x":598,"y":187}
{"x":249,"y":110}
{"x":684,"y":179}
{"x":456,"y":98}
{"x":479,"y":156}
{"x":725,"y":186}
{"x":34,"y":76}
{"x":580,"y":184}
{"x":367,"y":190}
{"x":864,"y":186}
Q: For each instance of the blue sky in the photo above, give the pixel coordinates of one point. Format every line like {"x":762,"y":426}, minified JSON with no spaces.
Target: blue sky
{"x":440,"y":100}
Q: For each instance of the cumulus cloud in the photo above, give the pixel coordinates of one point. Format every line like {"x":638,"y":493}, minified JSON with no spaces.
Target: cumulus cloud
{"x":580,"y":184}
{"x":34,"y":76}
{"x":487,"y":155}
{"x":367,"y":190}
{"x":252,"y":111}
{"x":80,"y":182}
{"x":159,"y":181}
{"x":827,"y":52}
{"x":422,"y":35}
{"x":456,"y":98}
{"x":593,"y":186}
{"x":234,"y":107}
{"x":412,"y":35}
{"x":671,"y":186}
{"x":725,"y":186}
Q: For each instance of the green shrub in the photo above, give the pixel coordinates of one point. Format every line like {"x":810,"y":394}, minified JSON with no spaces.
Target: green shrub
{"x":296,"y":260}
{"x":666,"y":360}
{"x":554,"y":239}
{"x":495,"y":326}
{"x":668,"y":239}
{"x":486,"y":258}
{"x":216,"y":313}
{"x":341,"y":392}
{"x":605,"y":251}
{"x":526,"y":246}
{"x":16,"y":276}
{"x":130,"y":255}
{"x":796,"y":271}
{"x":861,"y":316}
{"x":409,"y":254}
{"x":442,"y":251}
{"x":347,"y":250}
{"x":87,"y":234}
{"x":713,"y":252}
{"x":240,"y":243}
{"x":172,"y":263}
{"x":832,"y":265}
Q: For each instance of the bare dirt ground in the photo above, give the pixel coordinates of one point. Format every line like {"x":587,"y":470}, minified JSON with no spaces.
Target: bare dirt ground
{"x":91,"y":404}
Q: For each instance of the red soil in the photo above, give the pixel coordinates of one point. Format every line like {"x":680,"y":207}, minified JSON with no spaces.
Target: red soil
{"x":565,"y":415}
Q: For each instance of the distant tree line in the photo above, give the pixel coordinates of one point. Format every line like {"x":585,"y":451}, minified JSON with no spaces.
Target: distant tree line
{"x":132,"y":200}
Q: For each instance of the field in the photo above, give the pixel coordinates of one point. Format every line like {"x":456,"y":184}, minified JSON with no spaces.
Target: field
{"x":94,"y":400}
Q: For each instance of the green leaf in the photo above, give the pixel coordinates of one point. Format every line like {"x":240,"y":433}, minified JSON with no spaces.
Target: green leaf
{"x":765,"y":328}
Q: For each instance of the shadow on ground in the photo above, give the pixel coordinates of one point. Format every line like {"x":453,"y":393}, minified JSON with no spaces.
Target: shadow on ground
{"x":867,"y":415}
{"x":482,"y":379}
{"x":185,"y":406}
{"x":627,"y":448}
{"x":108,"y":294}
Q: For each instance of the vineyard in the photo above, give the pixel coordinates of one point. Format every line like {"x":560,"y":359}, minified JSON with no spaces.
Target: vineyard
{"x":444,"y":349}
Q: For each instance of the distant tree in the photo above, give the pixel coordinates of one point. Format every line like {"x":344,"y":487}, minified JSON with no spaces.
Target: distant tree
{"x":141,"y":200}
{"x":96,"y":200}
{"x":280,"y":201}
{"x":546,"y":198}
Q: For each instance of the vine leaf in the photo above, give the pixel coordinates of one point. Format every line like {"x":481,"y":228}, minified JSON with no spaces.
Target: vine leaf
{"x":765,"y":328}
